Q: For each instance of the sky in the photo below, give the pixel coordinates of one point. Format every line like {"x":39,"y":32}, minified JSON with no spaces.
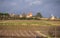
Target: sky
{"x":45,"y":7}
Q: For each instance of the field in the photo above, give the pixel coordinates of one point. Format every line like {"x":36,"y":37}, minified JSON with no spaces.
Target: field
{"x":27,"y":28}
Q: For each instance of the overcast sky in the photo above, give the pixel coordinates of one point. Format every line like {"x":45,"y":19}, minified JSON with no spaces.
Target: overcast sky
{"x":46,"y":7}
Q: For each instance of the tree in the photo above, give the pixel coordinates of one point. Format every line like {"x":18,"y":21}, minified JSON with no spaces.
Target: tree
{"x":39,"y":15}
{"x":4,"y":16}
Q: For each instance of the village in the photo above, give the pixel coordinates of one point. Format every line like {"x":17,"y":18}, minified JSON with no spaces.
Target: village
{"x":29,"y":18}
{"x":24,"y":16}
{"x":28,"y":26}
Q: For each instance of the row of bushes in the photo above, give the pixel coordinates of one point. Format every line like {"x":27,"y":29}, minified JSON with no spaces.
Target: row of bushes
{"x":18,"y":18}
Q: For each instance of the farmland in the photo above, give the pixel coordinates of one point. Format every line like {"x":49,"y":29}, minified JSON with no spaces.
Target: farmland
{"x":30,"y":27}
{"x":26,"y":24}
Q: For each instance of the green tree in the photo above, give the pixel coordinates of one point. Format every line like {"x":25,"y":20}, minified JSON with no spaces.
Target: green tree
{"x":39,"y":15}
{"x":4,"y":16}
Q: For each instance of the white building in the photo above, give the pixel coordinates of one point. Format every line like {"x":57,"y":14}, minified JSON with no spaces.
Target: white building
{"x":52,"y":17}
{"x":12,"y":15}
{"x":20,"y":16}
{"x":29,"y":15}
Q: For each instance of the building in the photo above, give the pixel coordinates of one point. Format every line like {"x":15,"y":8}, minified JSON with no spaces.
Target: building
{"x":12,"y":15}
{"x":29,"y":15}
{"x":20,"y":16}
{"x":53,"y":17}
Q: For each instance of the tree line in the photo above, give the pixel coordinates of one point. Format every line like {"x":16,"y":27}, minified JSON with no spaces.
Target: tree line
{"x":6,"y":16}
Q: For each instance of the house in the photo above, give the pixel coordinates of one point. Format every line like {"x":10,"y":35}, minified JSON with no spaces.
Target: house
{"x":29,"y":15}
{"x":53,"y":17}
{"x":20,"y":16}
{"x":12,"y":15}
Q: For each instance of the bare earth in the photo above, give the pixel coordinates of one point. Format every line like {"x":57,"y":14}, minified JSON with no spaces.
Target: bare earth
{"x":27,"y":28}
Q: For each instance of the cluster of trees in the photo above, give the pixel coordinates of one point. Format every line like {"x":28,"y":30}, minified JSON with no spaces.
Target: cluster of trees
{"x":6,"y":16}
{"x":39,"y":15}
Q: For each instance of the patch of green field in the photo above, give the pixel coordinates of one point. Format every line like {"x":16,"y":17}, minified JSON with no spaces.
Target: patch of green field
{"x":26,"y":24}
{"x":29,"y":22}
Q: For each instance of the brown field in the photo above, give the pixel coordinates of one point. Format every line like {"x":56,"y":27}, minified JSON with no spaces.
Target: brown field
{"x":28,"y":28}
